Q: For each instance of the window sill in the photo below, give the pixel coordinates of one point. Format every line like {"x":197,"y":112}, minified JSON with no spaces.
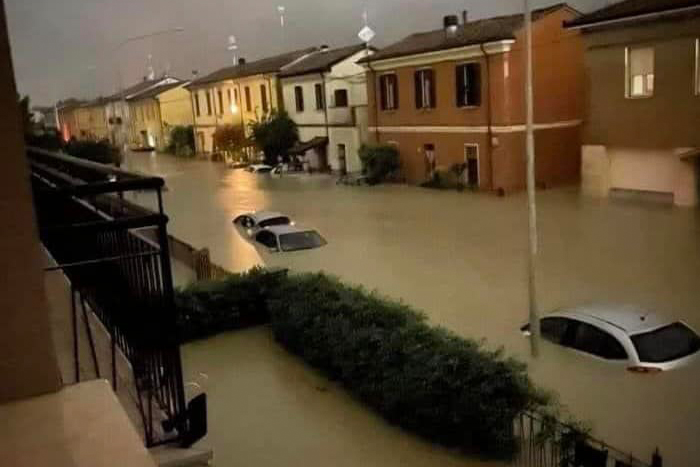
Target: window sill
{"x":639,"y":97}
{"x":469,"y":107}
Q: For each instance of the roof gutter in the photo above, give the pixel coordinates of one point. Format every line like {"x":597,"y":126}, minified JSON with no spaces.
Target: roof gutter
{"x":654,"y":15}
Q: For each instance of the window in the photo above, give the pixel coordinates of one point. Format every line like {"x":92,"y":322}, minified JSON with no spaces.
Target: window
{"x":221,"y":101}
{"x":263,"y":97}
{"x":425,"y":89}
{"x":468,"y":78}
{"x":590,"y":339}
{"x":228,"y":94}
{"x":639,"y":62}
{"x":301,"y":241}
{"x":280,"y":220}
{"x":665,"y":344}
{"x":318,"y":88}
{"x":235,"y":95}
{"x":388,"y":92}
{"x":554,"y":329}
{"x":196,"y":105}
{"x":248,"y":105}
{"x":299,"y":98}
{"x":208,"y":103}
{"x":340,"y":96}
{"x":266,"y":238}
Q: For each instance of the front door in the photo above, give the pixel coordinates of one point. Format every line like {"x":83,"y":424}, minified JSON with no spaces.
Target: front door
{"x":471,"y":160}
{"x":342,"y":164}
{"x":200,"y":141}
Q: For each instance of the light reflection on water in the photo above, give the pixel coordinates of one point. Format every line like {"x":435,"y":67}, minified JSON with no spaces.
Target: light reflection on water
{"x":460,"y":257}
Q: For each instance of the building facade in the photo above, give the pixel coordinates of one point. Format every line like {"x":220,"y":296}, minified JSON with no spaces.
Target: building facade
{"x":148,"y":128}
{"x":326,"y":95}
{"x":237,"y":95}
{"x":455,"y":96}
{"x":643,"y":110}
{"x":68,"y":118}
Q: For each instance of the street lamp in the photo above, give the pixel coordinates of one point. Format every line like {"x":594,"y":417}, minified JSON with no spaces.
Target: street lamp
{"x":531,"y":201}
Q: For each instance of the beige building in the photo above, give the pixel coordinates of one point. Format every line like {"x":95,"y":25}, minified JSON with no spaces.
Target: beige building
{"x":643,"y":110}
{"x":326,"y":95}
{"x":149,"y":127}
{"x":237,"y":95}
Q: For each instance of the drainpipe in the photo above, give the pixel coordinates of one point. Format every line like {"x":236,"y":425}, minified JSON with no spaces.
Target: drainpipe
{"x":489,"y":131}
{"x":194,"y":117}
{"x":325,"y":116}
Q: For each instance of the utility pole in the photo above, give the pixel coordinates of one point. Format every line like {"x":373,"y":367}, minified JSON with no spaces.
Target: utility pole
{"x":531,"y":206}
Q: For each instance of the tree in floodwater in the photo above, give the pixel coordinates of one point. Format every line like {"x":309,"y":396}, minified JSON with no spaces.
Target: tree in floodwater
{"x":274,"y":134}
{"x":231,"y":141}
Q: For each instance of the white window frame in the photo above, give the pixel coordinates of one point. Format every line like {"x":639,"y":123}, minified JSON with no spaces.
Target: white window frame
{"x":389,"y":96}
{"x":628,"y":75}
{"x":477,"y":62}
{"x":478,"y":161}
{"x":425,"y":90}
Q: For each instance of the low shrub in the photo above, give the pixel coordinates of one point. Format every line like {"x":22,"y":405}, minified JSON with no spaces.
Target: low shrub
{"x":181,"y":142}
{"x":379,"y":162}
{"x":450,"y":179}
{"x":96,"y":151}
{"x":428,"y":380}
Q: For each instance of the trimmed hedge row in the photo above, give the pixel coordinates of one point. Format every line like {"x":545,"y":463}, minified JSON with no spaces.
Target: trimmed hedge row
{"x":428,"y":380}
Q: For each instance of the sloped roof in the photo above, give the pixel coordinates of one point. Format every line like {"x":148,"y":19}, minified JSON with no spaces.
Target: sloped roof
{"x":471,"y":33}
{"x":265,"y":65}
{"x":631,"y":8}
{"x":155,"y":91}
{"x":134,"y":89}
{"x":320,"y":61}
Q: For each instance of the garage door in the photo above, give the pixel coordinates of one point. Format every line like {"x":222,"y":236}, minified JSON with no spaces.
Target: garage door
{"x":643,"y":170}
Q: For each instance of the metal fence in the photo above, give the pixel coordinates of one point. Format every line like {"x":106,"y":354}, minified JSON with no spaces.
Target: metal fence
{"x":545,"y":442}
{"x":124,"y":277}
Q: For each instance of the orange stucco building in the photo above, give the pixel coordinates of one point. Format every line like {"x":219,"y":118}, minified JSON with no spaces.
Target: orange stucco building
{"x":456,"y":96}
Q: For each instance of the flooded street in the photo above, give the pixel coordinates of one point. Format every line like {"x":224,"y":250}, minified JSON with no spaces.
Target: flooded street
{"x":460,"y":257}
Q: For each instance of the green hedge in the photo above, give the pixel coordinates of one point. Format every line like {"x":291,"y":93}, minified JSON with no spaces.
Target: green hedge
{"x":428,"y":380}
{"x":379,"y":162}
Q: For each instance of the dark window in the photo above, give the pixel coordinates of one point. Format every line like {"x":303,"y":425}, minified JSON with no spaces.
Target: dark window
{"x":341,"y":97}
{"x":221,"y":101}
{"x":196,"y":104}
{"x":228,"y":94}
{"x":235,"y":95}
{"x":590,"y":339}
{"x":266,"y":238}
{"x":554,"y":329}
{"x":301,"y":241}
{"x":468,"y":85}
{"x":388,"y":92}
{"x":263,"y":97}
{"x":319,"y":96}
{"x":281,"y":220}
{"x":248,"y":105}
{"x":665,"y":344}
{"x":208,"y":103}
{"x":299,"y":98}
{"x":425,"y":89}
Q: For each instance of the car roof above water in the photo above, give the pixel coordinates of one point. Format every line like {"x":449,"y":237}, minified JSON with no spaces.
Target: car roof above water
{"x":286,"y":229}
{"x":631,"y":319}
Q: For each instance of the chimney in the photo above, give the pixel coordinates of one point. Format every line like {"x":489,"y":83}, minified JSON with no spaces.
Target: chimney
{"x":450,"y":23}
{"x":324,"y":48}
{"x":465,"y":17}
{"x":241,"y":61}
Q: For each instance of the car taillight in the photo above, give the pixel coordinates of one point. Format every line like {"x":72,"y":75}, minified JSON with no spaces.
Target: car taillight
{"x":644,"y":369}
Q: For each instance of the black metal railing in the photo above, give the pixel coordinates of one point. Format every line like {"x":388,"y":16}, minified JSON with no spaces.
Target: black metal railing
{"x":546,"y":442}
{"x":124,"y":277}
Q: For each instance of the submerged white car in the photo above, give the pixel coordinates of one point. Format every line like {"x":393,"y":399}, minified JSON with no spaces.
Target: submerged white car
{"x":254,"y":221}
{"x":286,"y":238}
{"x":259,"y":168}
{"x":646,"y":342}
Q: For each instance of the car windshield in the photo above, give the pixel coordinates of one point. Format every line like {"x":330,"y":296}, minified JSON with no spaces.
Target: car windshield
{"x":301,"y":240}
{"x":665,"y":344}
{"x":281,"y":220}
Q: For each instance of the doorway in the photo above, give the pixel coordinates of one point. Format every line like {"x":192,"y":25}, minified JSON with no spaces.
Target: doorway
{"x":430,"y":162}
{"x":200,"y":141}
{"x":471,"y":163}
{"x":342,"y":163}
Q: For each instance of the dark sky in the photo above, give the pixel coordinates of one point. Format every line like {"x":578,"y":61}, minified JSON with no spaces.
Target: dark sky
{"x":63,"y":48}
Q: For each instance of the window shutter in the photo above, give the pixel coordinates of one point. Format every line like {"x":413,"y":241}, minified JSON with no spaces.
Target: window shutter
{"x":418,"y":88}
{"x":474,"y":84}
{"x":459,"y":85}
{"x":395,"y":92}
{"x":431,"y":83}
{"x":383,"y":83}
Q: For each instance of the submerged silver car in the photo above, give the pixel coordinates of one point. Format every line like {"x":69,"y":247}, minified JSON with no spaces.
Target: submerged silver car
{"x":254,"y":221}
{"x":646,"y":342}
{"x":287,"y":238}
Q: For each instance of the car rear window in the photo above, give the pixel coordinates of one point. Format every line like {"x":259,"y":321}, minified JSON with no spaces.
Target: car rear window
{"x":301,"y":241}
{"x":282,"y":220}
{"x":665,"y":344}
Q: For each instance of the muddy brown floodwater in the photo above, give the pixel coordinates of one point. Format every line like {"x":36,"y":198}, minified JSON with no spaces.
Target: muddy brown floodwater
{"x":460,"y":257}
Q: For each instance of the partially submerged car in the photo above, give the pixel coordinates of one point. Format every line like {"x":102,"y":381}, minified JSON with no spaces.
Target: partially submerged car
{"x":286,"y":238}
{"x":259,"y":168}
{"x":644,"y":341}
{"x":254,"y":221}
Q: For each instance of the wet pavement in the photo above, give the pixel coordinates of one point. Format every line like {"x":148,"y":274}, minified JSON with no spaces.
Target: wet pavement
{"x":460,"y":257}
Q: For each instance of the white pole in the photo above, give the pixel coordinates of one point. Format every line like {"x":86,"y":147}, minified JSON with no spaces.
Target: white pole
{"x":532,"y":211}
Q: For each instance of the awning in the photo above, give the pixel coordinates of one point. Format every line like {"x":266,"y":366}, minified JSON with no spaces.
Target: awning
{"x":301,"y":147}
{"x":692,"y":154}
